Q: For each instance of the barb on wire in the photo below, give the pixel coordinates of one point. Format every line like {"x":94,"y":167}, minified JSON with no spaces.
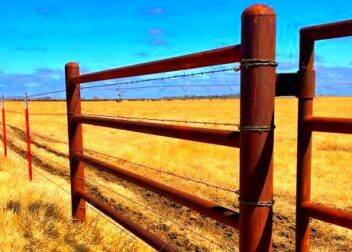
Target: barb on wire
{"x":161,"y":78}
{"x":167,"y":120}
{"x":66,"y":191}
{"x":159,"y":215}
{"x":19,"y":97}
{"x":184,"y":87}
{"x":166,"y":172}
{"x":47,"y":93}
{"x":14,"y":112}
{"x":47,"y":114}
{"x":145,"y":167}
{"x":36,"y":114}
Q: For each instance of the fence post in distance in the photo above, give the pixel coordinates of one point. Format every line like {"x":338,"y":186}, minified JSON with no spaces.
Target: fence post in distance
{"x":28,"y":138}
{"x":4,"y":139}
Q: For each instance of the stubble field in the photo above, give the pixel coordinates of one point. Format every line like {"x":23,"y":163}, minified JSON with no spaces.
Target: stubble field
{"x":157,"y":157}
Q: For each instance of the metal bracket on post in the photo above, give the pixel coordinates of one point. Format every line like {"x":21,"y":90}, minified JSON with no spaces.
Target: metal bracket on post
{"x":28,"y":138}
{"x":4,"y":138}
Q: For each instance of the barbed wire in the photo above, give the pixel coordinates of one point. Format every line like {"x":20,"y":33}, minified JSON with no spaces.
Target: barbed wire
{"x":166,"y":120}
{"x":161,"y":78}
{"x":14,"y":112}
{"x":47,"y":114}
{"x":66,"y":191}
{"x":146,"y":167}
{"x":184,"y":87}
{"x":123,"y":196}
{"x":166,"y":172}
{"x":140,"y":165}
{"x":135,"y":118}
{"x":36,"y":114}
{"x":47,"y":93}
{"x":159,"y":215}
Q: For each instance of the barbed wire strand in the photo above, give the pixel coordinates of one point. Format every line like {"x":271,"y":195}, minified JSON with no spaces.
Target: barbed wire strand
{"x":14,"y":112}
{"x":147,"y":167}
{"x":185,"y":87}
{"x":131,"y":82}
{"x":125,"y":197}
{"x":135,"y":118}
{"x":167,"y":172}
{"x":160,"y":78}
{"x":166,"y":120}
{"x":14,"y":154}
{"x":159,"y":215}
{"x":153,"y":79}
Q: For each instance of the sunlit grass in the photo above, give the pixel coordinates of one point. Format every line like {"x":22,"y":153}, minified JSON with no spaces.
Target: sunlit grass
{"x":332,"y":156}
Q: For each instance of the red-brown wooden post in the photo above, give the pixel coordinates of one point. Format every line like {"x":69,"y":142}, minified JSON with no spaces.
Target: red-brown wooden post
{"x":4,"y":139}
{"x":258,"y":76}
{"x":73,"y":101}
{"x":304,"y":140}
{"x":28,"y":139}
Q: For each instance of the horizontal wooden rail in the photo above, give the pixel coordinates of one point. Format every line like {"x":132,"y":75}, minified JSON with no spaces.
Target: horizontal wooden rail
{"x":131,"y":226}
{"x":214,"y":57}
{"x":328,"y":214}
{"x":328,"y":31}
{"x":204,"y":135}
{"x":202,"y":206}
{"x":327,"y":124}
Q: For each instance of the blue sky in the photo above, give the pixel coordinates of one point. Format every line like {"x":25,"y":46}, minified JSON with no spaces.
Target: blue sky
{"x":39,"y":37}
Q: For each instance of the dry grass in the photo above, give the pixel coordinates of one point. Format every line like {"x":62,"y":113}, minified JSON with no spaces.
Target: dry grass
{"x":34,"y":217}
{"x":214,"y":164}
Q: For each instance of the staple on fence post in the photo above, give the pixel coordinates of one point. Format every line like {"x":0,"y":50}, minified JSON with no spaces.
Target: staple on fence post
{"x":4,"y":138}
{"x":304,"y":140}
{"x":258,"y":75}
{"x":28,"y":139}
{"x":73,"y":102}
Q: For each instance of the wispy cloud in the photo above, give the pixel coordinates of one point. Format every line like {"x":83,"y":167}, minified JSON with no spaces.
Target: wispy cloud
{"x":142,"y":54}
{"x":49,"y":11}
{"x":155,"y":32}
{"x":154,"y":11}
{"x":43,"y":79}
{"x":31,"y":48}
{"x":158,"y":42}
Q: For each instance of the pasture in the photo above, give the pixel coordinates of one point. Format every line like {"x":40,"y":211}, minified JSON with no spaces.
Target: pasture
{"x":208,"y":171}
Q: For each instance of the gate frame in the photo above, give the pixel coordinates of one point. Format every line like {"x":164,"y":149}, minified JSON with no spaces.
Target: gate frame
{"x":307,"y":124}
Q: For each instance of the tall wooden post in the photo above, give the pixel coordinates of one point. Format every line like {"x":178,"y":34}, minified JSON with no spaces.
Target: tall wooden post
{"x":258,"y":77}
{"x":73,"y":101}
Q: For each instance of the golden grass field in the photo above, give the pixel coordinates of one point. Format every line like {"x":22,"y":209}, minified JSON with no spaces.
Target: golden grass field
{"x":331,"y":177}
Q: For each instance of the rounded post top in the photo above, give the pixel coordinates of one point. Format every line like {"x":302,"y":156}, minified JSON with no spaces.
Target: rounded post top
{"x":71,"y":65}
{"x":258,"y":10}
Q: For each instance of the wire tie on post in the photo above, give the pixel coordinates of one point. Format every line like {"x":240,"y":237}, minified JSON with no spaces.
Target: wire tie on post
{"x":247,"y":63}
{"x":257,"y":128}
{"x":257,"y":203}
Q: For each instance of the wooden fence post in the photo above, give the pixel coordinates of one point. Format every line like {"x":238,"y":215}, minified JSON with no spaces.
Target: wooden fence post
{"x":258,"y":77}
{"x":4,"y":139}
{"x":28,"y":139}
{"x":73,"y":102}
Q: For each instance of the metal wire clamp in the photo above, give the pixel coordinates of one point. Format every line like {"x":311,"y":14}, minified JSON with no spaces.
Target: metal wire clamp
{"x":257,"y":203}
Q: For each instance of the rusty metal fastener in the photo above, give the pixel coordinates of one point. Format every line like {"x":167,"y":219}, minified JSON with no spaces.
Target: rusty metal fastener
{"x":258,"y":62}
{"x":257,"y":203}
{"x":257,"y":128}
